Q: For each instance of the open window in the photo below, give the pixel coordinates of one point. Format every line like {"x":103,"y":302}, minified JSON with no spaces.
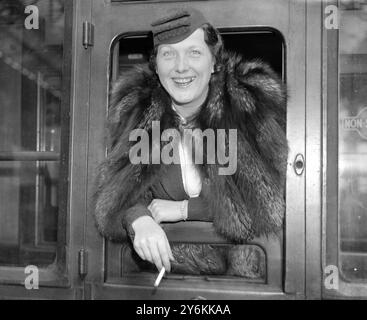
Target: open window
{"x":252,"y":43}
{"x":263,"y":256}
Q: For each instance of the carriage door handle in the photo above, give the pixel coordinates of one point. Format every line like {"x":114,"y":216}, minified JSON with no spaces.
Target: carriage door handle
{"x":299,"y":164}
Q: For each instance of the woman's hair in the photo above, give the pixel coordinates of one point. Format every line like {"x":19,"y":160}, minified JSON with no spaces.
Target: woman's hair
{"x":211,"y":37}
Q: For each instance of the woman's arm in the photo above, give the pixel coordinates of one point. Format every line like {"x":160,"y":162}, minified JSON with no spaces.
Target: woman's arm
{"x":151,"y":243}
{"x":174,"y":211}
{"x":198,"y":209}
{"x":149,"y":240}
{"x":171,"y":187}
{"x":132,"y":214}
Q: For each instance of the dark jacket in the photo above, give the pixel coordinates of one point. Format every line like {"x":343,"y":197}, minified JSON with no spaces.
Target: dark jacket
{"x":247,"y":96}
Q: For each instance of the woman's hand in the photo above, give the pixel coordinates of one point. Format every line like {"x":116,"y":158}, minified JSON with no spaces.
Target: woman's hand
{"x":151,"y":243}
{"x":167,"y":210}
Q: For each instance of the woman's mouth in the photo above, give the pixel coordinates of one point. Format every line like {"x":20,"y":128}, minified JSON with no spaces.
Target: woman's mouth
{"x":183,"y":82}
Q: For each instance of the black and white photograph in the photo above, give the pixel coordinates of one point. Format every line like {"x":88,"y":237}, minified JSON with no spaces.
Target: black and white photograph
{"x":183,"y":154}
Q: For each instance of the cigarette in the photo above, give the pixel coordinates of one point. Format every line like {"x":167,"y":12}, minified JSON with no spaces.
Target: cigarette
{"x":160,"y":276}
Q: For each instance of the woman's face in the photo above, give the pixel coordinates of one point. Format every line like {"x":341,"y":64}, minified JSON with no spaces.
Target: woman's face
{"x":184,"y":69}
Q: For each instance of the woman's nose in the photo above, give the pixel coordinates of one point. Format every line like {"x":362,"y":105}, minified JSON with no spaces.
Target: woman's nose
{"x":181,"y":64}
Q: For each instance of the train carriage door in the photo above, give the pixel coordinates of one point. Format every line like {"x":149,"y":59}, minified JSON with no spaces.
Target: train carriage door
{"x":37,"y":236}
{"x":272,"y":31}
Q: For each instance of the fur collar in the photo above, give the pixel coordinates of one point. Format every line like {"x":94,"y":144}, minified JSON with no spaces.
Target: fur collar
{"x":247,"y":96}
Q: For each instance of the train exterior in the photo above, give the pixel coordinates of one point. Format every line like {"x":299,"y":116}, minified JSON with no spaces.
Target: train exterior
{"x":58,"y":59}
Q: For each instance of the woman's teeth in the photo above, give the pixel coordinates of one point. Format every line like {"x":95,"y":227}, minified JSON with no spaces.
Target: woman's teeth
{"x":183,"y":82}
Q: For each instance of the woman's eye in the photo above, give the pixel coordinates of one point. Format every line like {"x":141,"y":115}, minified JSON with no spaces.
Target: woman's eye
{"x":168,"y":53}
{"x":195,"y":53}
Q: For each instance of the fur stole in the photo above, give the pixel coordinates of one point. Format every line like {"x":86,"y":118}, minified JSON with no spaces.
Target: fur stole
{"x":247,"y":96}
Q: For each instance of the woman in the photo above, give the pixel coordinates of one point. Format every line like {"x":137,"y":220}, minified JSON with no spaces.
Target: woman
{"x":192,"y":83}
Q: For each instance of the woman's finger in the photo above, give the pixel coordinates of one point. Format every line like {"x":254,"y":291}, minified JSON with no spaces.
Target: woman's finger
{"x":147,"y":253}
{"x":162,"y":248}
{"x":170,"y":254}
{"x":155,"y":255}
{"x":139,"y":252}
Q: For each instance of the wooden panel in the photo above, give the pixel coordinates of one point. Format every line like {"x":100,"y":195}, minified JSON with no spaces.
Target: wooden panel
{"x":178,"y":290}
{"x":19,"y":292}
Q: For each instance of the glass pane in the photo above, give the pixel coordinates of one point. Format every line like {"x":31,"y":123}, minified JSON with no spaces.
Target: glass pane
{"x":30,"y":77}
{"x":29,"y":212}
{"x":31,"y":59}
{"x":353,"y":140}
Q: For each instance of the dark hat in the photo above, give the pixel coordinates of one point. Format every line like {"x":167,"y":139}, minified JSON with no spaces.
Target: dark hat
{"x":177,"y":25}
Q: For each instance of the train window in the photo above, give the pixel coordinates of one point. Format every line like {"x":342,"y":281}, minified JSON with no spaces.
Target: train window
{"x":33,"y":134}
{"x":266,"y":44}
{"x":246,"y":261}
{"x":347,"y":145}
{"x":353,"y":143}
{"x":132,"y":49}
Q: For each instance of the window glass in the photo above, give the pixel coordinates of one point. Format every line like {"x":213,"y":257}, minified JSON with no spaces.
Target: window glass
{"x":31,"y":58}
{"x":353,"y":139}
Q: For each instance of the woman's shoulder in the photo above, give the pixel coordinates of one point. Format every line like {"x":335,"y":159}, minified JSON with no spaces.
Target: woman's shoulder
{"x":131,"y":93}
{"x":251,"y":85}
{"x":137,"y":79}
{"x":252,"y":73}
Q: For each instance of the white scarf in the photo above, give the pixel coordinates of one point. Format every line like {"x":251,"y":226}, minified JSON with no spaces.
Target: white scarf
{"x":190,"y":176}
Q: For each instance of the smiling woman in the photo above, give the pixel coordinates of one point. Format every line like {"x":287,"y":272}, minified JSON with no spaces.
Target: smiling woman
{"x":184,"y":69}
{"x":192,"y":83}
